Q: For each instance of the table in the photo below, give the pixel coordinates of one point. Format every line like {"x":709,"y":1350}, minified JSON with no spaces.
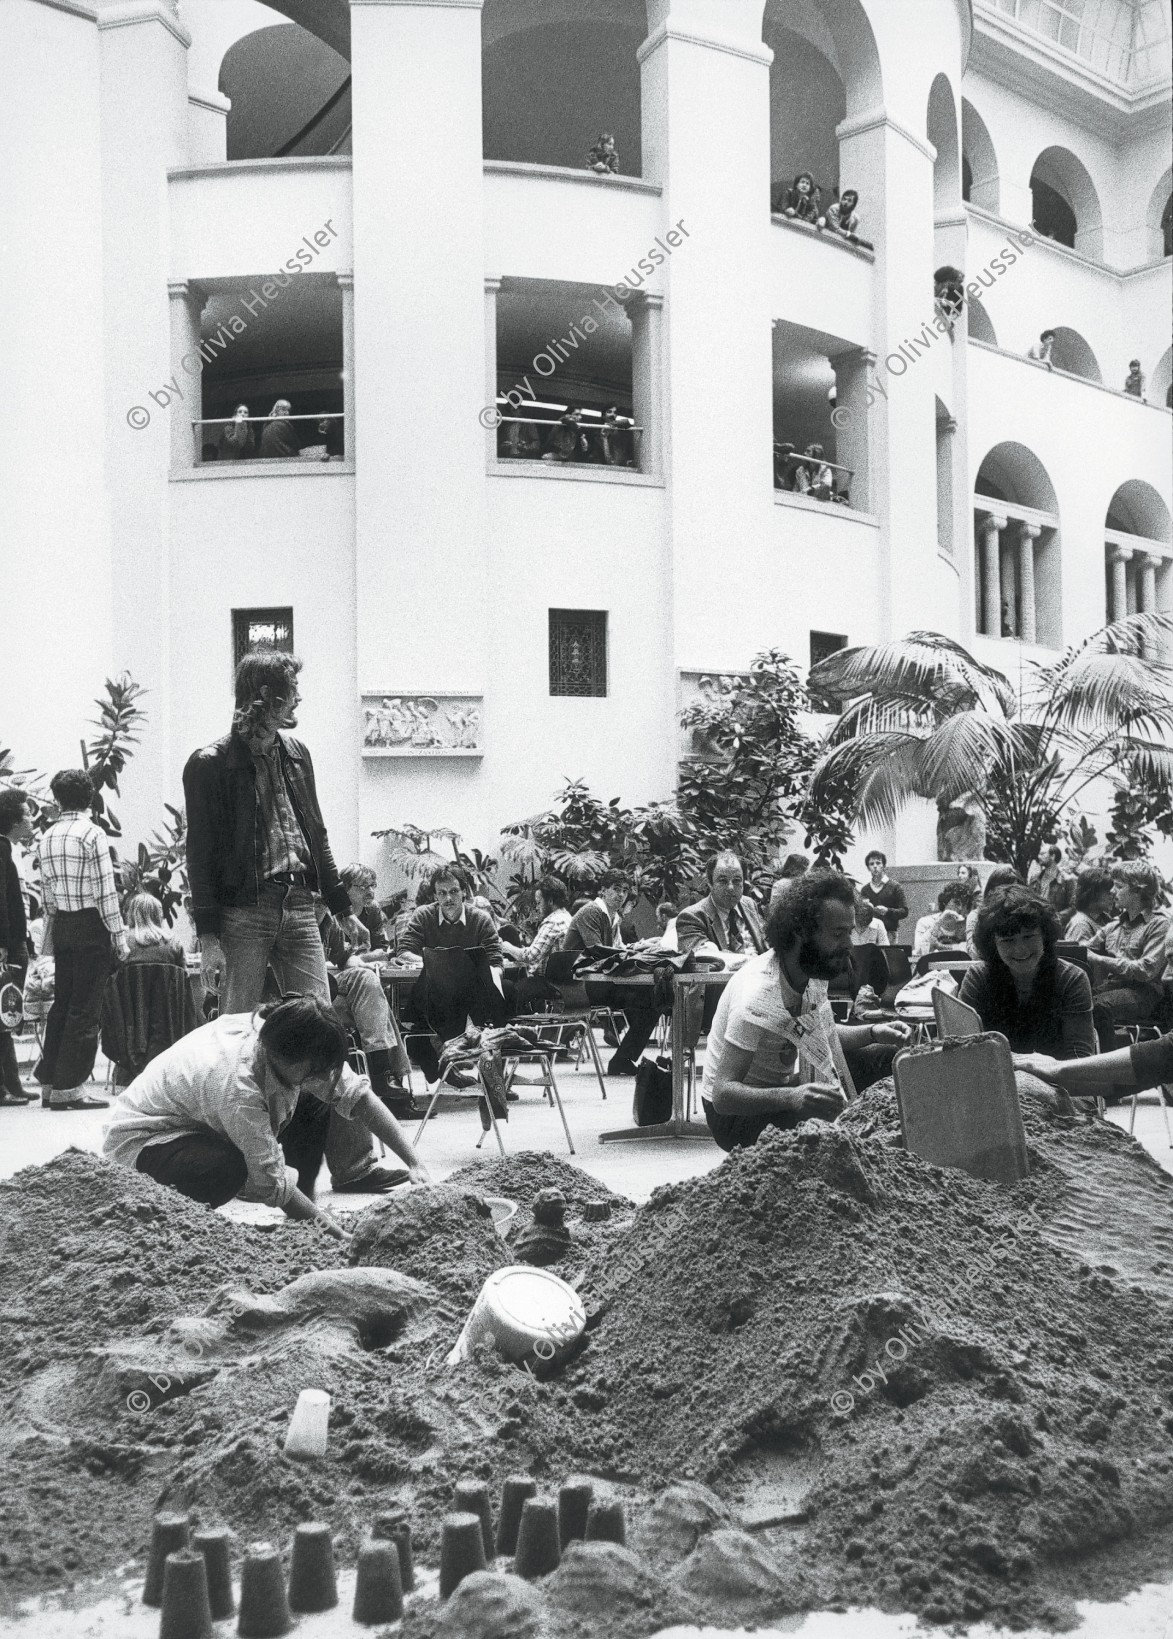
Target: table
{"x":683,"y":985}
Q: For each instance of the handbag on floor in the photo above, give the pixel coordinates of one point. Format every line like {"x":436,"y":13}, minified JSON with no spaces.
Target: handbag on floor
{"x":652,"y":1101}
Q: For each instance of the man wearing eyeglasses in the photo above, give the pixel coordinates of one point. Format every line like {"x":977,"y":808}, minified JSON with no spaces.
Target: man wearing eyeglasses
{"x":240,"y":1107}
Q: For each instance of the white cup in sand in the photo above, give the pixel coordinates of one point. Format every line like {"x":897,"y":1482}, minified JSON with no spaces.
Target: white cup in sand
{"x":309,"y":1425}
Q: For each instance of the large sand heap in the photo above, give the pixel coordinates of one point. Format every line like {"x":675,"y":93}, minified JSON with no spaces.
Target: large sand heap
{"x":901,"y":1385}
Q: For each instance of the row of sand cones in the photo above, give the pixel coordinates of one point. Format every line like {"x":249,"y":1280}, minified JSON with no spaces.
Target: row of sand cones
{"x":189,"y":1574}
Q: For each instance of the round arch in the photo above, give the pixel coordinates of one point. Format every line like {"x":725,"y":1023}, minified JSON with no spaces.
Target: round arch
{"x":1159,"y":217}
{"x":978,"y":160}
{"x":280,"y":80}
{"x":1161,"y":379}
{"x":1138,"y":509}
{"x":1071,"y":353}
{"x":941,"y":130}
{"x":841,"y":32}
{"x":978,"y":325}
{"x":555,"y":73}
{"x":1013,"y":472}
{"x":1057,"y":175}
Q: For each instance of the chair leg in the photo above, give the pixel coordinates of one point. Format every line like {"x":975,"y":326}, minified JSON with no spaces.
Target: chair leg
{"x":557,"y":1099}
{"x":1165,"y":1113}
{"x":1132,"y":1112}
{"x":592,"y":1048}
{"x":428,"y":1113}
{"x":494,"y":1124}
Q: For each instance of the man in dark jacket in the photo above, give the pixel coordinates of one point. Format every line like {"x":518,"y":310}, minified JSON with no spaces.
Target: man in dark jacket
{"x":884,"y":895}
{"x":597,"y":923}
{"x":259,"y":861}
{"x":447,"y":923}
{"x":15,"y":826}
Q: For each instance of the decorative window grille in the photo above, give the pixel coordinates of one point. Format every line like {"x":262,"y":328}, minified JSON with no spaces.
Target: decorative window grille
{"x":823,"y":644}
{"x":260,"y":628}
{"x":578,"y":651}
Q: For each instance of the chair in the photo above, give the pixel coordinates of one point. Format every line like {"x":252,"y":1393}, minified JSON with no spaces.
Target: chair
{"x":575,"y":1011}
{"x":443,"y":1087}
{"x":146,"y":1008}
{"x":899,"y":965}
{"x":543,"y":1055}
{"x":951,"y":959}
{"x":1069,"y":950}
{"x":1163,"y":1096}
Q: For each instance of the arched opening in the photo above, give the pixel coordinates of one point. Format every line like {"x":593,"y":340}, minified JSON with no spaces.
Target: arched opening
{"x":978,"y":160}
{"x":555,"y":74}
{"x":1160,"y":217}
{"x":1066,"y":206}
{"x":1071,"y":353}
{"x":825,"y":69}
{"x":1017,"y":549}
{"x":1161,"y":381}
{"x":978,"y":322}
{"x":1136,"y":579}
{"x":290,"y":95}
{"x":941,"y":130}
{"x":1138,"y":509}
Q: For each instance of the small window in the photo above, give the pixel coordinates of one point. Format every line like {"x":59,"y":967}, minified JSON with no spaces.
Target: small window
{"x":260,"y":628}
{"x":578,"y":651}
{"x":822,"y":645}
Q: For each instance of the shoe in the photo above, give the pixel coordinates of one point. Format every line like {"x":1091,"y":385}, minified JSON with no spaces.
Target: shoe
{"x":375,"y":1182}
{"x":406,"y":1109}
{"x":9,"y":1095}
{"x":457,"y":1079}
{"x":621,"y":1067}
{"x":77,"y":1101}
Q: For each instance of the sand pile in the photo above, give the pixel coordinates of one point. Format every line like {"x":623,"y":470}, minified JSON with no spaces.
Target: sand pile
{"x":824,"y":1373}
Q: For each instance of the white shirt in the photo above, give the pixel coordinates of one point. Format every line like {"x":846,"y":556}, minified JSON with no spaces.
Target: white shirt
{"x":753,"y":1006}
{"x":205,"y":1083}
{"x":874,"y":934}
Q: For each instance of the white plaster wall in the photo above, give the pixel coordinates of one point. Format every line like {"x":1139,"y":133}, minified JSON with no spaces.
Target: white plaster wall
{"x":253,"y":542}
{"x":252,"y":216}
{"x":575,"y":227}
{"x":820,"y":286}
{"x":54,"y":527}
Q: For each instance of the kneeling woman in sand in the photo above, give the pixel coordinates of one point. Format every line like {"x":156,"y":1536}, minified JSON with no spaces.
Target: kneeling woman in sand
{"x":205,"y":1117}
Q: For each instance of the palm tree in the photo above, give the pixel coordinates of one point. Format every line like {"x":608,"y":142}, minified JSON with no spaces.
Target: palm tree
{"x":923,"y":718}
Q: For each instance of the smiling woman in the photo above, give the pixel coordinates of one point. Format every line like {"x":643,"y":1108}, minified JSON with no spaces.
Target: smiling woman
{"x":1021,"y":987}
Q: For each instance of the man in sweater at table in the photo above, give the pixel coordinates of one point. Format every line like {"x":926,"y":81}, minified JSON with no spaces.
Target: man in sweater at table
{"x":597,"y":923}
{"x":446,"y":924}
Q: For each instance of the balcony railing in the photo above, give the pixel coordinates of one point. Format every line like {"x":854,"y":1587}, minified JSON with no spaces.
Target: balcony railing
{"x":565,"y":443}
{"x":812,"y":476}
{"x":228,"y":439}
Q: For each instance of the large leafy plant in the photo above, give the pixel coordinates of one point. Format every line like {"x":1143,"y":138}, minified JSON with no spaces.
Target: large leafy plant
{"x":923,"y":718}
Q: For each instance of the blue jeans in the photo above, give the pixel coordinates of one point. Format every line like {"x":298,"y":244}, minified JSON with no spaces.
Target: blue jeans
{"x":281,"y":931}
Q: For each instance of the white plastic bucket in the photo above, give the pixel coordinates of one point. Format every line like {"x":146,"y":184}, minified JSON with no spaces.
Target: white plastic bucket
{"x":309,"y":1425}
{"x":529,"y":1314}
{"x":504,"y":1212}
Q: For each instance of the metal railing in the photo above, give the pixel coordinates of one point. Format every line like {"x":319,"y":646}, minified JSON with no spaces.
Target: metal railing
{"x":594,"y":443}
{"x":801,"y":469}
{"x":214,"y":446}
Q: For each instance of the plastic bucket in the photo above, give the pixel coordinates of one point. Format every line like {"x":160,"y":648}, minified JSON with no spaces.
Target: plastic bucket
{"x":527,"y":1313}
{"x":503,"y":1211}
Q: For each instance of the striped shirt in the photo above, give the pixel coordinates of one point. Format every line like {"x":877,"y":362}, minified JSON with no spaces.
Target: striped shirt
{"x":282,"y":842}
{"x":76,"y":870}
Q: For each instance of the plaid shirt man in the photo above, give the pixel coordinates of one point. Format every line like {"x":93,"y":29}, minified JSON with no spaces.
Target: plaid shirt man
{"x":548,"y":938}
{"x":77,"y":873}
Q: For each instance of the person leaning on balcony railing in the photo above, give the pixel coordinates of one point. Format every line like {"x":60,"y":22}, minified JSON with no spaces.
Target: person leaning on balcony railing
{"x":802,"y":201}
{"x":841,"y":217}
{"x":603,"y":158}
{"x":279,"y":439}
{"x":1041,"y":351}
{"x":614,"y":439}
{"x":568,"y":442}
{"x":519,"y":440}
{"x":237,"y":439}
{"x":813,"y":476}
{"x":1134,"y":385}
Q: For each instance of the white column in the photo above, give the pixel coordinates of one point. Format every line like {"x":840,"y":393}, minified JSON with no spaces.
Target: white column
{"x":186,"y":366}
{"x":945,"y":432}
{"x":1008,"y":604}
{"x":346,"y":285}
{"x":1147,"y":590}
{"x":990,"y":527}
{"x":1119,"y":557}
{"x":1028,"y":534}
{"x":853,"y":439}
{"x":646,"y":312}
{"x":492,"y":287}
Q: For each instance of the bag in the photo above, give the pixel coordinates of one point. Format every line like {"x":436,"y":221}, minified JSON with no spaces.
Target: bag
{"x":918,"y":992}
{"x":11,"y":1002}
{"x":652,"y":1102}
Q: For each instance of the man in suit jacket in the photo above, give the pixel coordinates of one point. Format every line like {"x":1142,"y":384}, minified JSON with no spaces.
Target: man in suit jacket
{"x":725,"y":917}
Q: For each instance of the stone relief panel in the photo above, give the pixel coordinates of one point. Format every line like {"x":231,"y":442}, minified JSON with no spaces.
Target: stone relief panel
{"x":708,"y":687}
{"x":422,"y":725}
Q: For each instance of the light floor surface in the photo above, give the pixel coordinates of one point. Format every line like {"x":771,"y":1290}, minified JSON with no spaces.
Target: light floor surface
{"x":31,"y":1136}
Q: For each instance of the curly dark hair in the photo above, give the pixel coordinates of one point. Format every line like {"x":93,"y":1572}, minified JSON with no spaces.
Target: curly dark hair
{"x":263,"y":678}
{"x":553,"y":891}
{"x":958,"y":894}
{"x":797,"y":912}
{"x":304,"y":1029}
{"x":1008,"y":911}
{"x":13,"y":802}
{"x":73,"y":789}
